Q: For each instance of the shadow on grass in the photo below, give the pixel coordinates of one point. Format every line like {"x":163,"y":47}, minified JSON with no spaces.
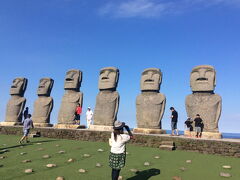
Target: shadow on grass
{"x":146,"y":174}
{"x":26,"y":144}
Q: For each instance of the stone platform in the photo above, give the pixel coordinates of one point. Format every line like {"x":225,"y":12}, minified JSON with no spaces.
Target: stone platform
{"x":101,"y":128}
{"x":69,"y":126}
{"x":10,"y":123}
{"x":224,"y":147}
{"x":205,"y":135}
{"x":42,"y":125}
{"x":149,"y":131}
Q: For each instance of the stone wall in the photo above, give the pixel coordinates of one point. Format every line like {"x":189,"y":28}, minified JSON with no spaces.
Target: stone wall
{"x":220,"y":147}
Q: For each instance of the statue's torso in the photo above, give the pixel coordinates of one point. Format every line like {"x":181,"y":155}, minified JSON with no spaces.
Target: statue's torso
{"x":68,"y":107}
{"x":14,"y":106}
{"x":105,"y":109}
{"x":149,"y":110}
{"x":207,"y":106}
{"x":42,"y":109}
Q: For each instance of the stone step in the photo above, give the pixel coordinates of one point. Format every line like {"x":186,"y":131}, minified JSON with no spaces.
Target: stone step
{"x":167,"y":147}
{"x":169,"y":143}
{"x":34,"y":134}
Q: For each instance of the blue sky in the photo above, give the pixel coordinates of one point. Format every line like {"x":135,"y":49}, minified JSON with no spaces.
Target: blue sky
{"x":48,"y":37}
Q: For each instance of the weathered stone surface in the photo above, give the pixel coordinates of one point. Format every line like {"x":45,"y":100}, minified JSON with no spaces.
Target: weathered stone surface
{"x":182,"y":168}
{"x":176,"y":178}
{"x":100,"y":150}
{"x":70,"y":160}
{"x":149,"y":131}
{"x":86,"y":155}
{"x":166,"y":147}
{"x":227,"y":167}
{"x":46,"y":156}
{"x":27,"y":171}
{"x":222,"y":174}
{"x":156,"y":157}
{"x":71,"y":98}
{"x":51,"y":165}
{"x":98,"y":165}
{"x":44,"y":104}
{"x":26,"y":161}
{"x":107,"y":101}
{"x":61,"y":152}
{"x":101,"y":128}
{"x":134,"y":170}
{"x":82,"y":171}
{"x":15,"y":105}
{"x":60,"y":178}
{"x":188,"y":161}
{"x":203,"y":101}
{"x":23,"y":153}
{"x":146,"y":163}
{"x":2,"y":157}
{"x":150,"y":104}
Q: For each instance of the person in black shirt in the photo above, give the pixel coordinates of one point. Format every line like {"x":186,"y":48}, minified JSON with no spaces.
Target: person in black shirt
{"x":198,"y":126}
{"x":174,"y":120}
{"x":188,"y":123}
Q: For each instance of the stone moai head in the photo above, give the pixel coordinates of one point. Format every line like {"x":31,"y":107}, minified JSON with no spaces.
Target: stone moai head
{"x":203,"y":78}
{"x":73,"y":80}
{"x":151,"y":79}
{"x":45,"y":86}
{"x":19,"y":86}
{"x":108,"y":78}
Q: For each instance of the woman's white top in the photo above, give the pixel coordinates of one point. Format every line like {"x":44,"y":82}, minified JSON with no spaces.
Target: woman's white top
{"x":118,"y":147}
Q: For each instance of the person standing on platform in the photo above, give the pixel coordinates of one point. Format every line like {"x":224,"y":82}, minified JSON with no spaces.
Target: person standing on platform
{"x":174,"y":120}
{"x":198,"y":126}
{"x":89,"y":115}
{"x":78,"y":113}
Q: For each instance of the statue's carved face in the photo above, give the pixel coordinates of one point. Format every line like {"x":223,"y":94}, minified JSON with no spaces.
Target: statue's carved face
{"x":108,"y":78}
{"x":151,"y":79}
{"x":45,"y":86}
{"x":73,"y":79}
{"x":18,"y":86}
{"x":203,"y":78}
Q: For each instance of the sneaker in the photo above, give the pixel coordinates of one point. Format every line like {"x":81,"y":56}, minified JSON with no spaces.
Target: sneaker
{"x":20,"y":142}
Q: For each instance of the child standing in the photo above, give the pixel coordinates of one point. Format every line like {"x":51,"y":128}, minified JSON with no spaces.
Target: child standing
{"x":118,"y":142}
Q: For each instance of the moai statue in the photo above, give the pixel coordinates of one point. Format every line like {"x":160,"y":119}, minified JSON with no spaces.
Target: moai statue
{"x":70,"y":100}
{"x":44,"y":104}
{"x":16,"y":103}
{"x":107,"y":101}
{"x":150,"y":104}
{"x":203,"y":100}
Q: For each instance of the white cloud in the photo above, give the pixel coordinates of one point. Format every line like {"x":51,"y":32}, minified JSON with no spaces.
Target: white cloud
{"x":157,"y":8}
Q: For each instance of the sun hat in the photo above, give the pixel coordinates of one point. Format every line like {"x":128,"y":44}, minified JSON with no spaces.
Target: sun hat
{"x":118,"y":125}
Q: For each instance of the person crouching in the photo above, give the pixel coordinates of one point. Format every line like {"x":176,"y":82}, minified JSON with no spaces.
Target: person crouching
{"x":118,"y":142}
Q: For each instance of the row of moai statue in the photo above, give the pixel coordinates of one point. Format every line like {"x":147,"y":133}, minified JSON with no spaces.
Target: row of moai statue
{"x":150,"y":104}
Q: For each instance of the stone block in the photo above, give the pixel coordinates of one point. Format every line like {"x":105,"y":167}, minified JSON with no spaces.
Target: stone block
{"x":149,"y":131}
{"x":101,"y":128}
{"x":69,"y":126}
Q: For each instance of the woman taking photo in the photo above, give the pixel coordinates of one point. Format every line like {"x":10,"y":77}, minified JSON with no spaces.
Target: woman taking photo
{"x":118,"y":142}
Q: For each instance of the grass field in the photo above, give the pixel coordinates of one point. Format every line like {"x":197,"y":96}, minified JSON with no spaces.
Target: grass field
{"x":203,"y":167}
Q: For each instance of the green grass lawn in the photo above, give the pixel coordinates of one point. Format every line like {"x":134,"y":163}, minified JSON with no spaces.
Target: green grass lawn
{"x":203,"y":167}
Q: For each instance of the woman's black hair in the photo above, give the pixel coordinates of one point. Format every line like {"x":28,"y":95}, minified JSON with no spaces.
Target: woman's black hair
{"x":117,"y":132}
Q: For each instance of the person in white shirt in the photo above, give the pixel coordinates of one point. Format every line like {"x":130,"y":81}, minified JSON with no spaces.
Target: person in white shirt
{"x":118,"y":142}
{"x":89,"y":115}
